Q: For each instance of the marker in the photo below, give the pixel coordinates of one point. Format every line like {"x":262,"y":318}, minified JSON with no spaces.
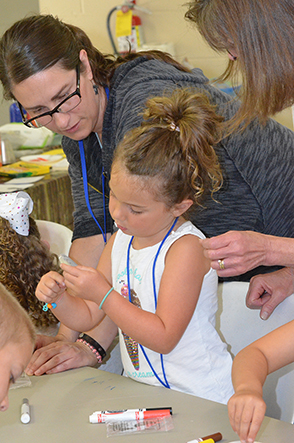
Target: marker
{"x":25,"y":416}
{"x":129,"y":414}
{"x":208,"y":438}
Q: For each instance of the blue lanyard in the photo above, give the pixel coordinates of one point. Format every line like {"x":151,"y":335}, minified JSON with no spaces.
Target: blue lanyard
{"x":85,"y":181}
{"x":165,"y":382}
{"x":86,"y":191}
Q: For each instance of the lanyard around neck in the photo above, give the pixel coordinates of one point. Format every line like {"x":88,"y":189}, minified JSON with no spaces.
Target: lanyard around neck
{"x":165,"y":382}
{"x":86,"y":190}
{"x":85,"y":180}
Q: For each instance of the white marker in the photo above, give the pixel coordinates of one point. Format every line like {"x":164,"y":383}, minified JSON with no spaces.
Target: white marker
{"x":25,"y":416}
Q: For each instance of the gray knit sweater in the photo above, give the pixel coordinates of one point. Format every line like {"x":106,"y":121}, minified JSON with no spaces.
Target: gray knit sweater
{"x":258,"y":191}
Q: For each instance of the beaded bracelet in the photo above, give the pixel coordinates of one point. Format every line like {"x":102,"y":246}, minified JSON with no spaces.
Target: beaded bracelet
{"x":95,"y":347}
{"x":98,"y":356}
{"x":47,"y":306}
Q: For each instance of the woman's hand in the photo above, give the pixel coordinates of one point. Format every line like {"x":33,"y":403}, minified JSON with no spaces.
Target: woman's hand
{"x":236,"y":252}
{"x":246,"y":412}
{"x":54,"y":355}
{"x":267,"y":291}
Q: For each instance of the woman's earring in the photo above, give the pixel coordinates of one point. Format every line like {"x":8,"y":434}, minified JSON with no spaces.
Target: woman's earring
{"x":95,"y":87}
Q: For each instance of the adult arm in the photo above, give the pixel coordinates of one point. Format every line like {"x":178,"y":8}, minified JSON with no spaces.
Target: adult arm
{"x":63,"y":353}
{"x":242,"y":251}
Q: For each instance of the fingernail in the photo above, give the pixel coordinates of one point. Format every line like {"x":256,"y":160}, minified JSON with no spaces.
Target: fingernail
{"x":264,"y":315}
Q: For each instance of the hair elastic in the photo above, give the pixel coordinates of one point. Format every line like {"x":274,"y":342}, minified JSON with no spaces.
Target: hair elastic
{"x":105,"y":297}
{"x":173,"y":127}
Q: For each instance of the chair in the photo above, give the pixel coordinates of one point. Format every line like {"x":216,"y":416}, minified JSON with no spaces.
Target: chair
{"x":239,"y":326}
{"x":58,"y":236}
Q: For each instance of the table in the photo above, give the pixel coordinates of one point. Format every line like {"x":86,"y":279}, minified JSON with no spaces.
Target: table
{"x":61,"y":405}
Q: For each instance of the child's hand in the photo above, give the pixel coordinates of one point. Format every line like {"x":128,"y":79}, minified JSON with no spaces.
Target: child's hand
{"x":50,"y":287}
{"x":83,"y":281}
{"x":246,"y":412}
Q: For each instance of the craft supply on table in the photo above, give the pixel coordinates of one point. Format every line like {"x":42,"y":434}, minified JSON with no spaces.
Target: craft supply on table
{"x":129,"y":414}
{"x":25,"y":416}
{"x":214,"y":437}
{"x":23,"y":169}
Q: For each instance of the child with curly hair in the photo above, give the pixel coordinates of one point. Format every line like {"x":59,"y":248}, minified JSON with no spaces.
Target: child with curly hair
{"x":24,"y":258}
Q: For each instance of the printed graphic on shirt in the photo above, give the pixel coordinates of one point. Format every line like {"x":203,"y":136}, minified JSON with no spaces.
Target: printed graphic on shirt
{"x":131,"y":345}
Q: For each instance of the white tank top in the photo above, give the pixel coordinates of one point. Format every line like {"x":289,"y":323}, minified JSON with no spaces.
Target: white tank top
{"x":200,"y":363}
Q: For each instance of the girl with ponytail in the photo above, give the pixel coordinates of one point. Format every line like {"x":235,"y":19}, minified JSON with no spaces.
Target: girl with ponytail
{"x":153,"y":280}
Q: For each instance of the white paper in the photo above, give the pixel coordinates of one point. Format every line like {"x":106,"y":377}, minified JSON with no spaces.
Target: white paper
{"x":12,"y":188}
{"x":24,"y":180}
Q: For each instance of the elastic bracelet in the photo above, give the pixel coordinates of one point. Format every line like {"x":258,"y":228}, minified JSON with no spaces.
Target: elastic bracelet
{"x":47,"y":306}
{"x":89,"y":341}
{"x":105,"y":297}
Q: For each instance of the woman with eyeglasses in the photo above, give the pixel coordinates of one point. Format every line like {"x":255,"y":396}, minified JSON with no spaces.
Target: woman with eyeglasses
{"x":258,"y":37}
{"x":61,"y":81}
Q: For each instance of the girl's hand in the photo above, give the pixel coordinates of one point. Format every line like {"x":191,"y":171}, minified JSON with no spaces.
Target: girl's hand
{"x":246,"y":412}
{"x":84,"y":282}
{"x":50,"y":287}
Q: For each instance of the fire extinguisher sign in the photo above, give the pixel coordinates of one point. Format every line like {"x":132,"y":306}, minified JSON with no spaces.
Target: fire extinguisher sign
{"x":128,"y":32}
{"x":123,"y":23}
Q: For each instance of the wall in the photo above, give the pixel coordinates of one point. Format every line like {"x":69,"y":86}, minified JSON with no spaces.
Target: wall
{"x":167,"y":15}
{"x":165,"y":24}
{"x":8,"y":16}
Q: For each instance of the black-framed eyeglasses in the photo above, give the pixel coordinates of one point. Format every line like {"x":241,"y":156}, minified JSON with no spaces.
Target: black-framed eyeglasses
{"x":67,"y":105}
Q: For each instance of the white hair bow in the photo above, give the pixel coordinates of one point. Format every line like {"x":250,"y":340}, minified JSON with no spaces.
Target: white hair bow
{"x":16,"y":207}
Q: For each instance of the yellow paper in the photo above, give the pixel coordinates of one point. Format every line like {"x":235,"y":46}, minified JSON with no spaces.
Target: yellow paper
{"x":123,"y":24}
{"x":57,"y":151}
{"x":23,"y":169}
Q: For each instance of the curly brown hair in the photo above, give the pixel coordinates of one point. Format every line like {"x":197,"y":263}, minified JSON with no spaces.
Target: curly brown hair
{"x":23,"y":261}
